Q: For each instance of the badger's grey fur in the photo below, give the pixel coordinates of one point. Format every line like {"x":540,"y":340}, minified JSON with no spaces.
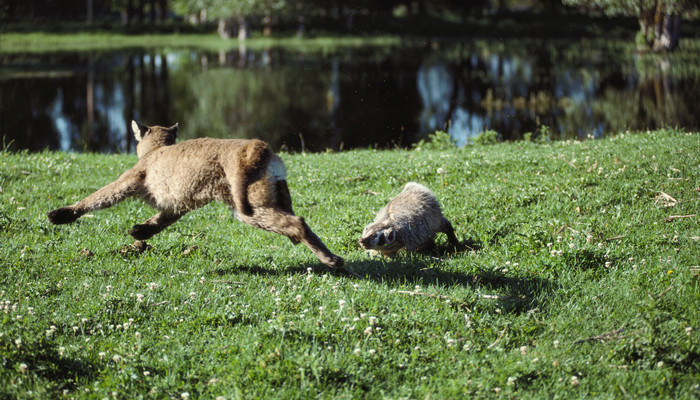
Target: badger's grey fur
{"x":178,"y":178}
{"x":410,"y":220}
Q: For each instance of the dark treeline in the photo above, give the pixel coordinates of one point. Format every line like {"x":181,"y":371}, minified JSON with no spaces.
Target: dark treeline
{"x":657,"y":22}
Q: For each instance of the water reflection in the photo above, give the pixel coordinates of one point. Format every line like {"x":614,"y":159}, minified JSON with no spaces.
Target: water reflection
{"x":352,"y":97}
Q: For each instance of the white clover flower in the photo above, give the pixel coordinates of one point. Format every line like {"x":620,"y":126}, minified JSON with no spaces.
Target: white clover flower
{"x":575,"y":381}
{"x":368,"y":330}
{"x":102,"y":355}
{"x":372,"y":320}
{"x":23,"y":368}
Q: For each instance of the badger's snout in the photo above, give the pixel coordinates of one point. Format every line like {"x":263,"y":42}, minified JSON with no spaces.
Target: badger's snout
{"x":366,"y":242}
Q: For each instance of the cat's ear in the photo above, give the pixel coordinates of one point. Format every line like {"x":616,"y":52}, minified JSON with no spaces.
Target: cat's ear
{"x":139,"y":130}
{"x":174,"y":129}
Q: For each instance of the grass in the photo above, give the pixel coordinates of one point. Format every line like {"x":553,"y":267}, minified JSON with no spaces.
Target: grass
{"x":41,"y":42}
{"x":583,"y":282}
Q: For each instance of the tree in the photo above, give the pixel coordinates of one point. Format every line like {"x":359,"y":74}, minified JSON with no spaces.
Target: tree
{"x":229,"y":14}
{"x":659,"y":20}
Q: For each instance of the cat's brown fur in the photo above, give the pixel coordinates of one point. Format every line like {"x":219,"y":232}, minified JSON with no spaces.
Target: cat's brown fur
{"x":177,"y":178}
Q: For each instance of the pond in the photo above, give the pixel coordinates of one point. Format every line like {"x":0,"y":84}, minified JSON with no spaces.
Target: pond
{"x":348,"y":97}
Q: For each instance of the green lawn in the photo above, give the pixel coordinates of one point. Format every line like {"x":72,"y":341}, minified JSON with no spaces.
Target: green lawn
{"x":41,"y":42}
{"x":583,"y":281}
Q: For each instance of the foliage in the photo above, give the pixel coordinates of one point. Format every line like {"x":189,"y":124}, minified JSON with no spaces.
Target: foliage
{"x":230,"y":8}
{"x":488,"y":136}
{"x":659,"y":20}
{"x":578,"y":279}
{"x":632,"y":7}
{"x":439,"y":140}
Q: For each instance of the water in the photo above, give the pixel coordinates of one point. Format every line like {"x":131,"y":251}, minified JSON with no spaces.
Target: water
{"x":345,"y":98}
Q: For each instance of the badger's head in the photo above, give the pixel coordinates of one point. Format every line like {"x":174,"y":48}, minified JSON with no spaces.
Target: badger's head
{"x":152,"y":137}
{"x":378,"y":237}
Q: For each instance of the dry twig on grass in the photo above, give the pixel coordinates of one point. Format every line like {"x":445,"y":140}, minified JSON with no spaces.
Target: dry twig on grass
{"x":605,"y":336}
{"x":500,"y":336}
{"x":675,"y":217}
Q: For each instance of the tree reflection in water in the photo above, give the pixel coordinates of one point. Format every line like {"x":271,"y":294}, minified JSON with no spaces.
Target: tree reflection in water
{"x":348,"y":97}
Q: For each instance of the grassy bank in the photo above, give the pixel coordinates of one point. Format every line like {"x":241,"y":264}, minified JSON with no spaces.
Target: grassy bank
{"x":582,"y":281}
{"x":40,"y":42}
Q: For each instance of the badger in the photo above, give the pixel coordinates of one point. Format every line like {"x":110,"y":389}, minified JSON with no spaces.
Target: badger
{"x":410,"y":220}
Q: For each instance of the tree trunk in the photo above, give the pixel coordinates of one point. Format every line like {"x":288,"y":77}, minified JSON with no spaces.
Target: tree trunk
{"x":139,"y":11}
{"x":129,"y":12}
{"x":152,"y":12}
{"x":225,"y":28}
{"x":661,"y":30}
{"x":243,"y":28}
{"x":267,"y":26}
{"x":670,"y":33}
{"x":90,"y":11}
{"x":163,"y":10}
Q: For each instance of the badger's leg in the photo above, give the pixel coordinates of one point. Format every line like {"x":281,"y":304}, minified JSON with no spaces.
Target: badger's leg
{"x":295,"y":228}
{"x":126,"y":186}
{"x":154,"y":225}
{"x":448,"y":230}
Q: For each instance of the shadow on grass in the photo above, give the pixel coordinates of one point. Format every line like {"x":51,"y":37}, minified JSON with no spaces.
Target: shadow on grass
{"x":512,"y":294}
{"x":46,"y":362}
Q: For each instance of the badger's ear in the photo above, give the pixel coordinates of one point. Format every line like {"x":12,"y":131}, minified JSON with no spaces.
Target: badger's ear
{"x":174,"y":129}
{"x":390,"y":236}
{"x":139,"y":130}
